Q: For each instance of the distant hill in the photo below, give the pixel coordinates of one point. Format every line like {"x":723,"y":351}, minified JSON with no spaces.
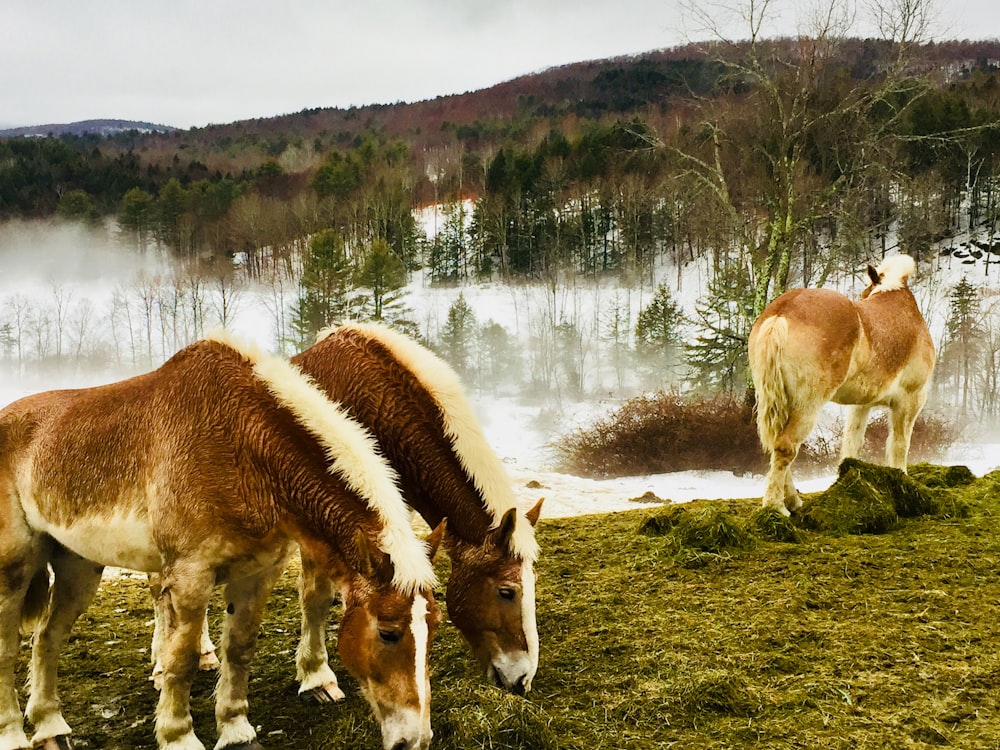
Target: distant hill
{"x":87,"y":127}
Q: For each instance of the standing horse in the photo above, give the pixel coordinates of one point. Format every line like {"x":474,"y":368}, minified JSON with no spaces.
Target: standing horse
{"x":811,"y":346}
{"x":206,"y":471}
{"x":416,"y":407}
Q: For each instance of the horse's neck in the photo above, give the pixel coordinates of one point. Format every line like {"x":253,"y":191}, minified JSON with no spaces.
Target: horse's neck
{"x":406,"y":421}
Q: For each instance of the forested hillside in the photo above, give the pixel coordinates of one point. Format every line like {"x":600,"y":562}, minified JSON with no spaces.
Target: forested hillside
{"x":776,"y":163}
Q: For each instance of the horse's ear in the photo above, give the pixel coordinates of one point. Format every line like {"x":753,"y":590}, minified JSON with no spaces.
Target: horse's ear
{"x":873,"y":275}
{"x":435,"y":538}
{"x":370,"y":561}
{"x":504,"y":532}
{"x":364,"y":556}
{"x":533,"y":514}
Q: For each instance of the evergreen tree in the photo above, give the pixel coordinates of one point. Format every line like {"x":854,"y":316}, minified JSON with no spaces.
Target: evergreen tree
{"x":171,"y":206}
{"x":458,"y":337}
{"x":383,"y":272}
{"x":658,"y":334}
{"x":718,"y":354}
{"x":324,"y":287}
{"x":448,"y":260}
{"x":135,"y":215}
{"x":569,"y":357}
{"x":500,"y":360}
{"x":963,"y":334}
{"x":77,"y":205}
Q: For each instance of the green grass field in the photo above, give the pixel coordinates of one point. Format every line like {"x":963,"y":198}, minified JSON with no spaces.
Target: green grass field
{"x":708,"y":626}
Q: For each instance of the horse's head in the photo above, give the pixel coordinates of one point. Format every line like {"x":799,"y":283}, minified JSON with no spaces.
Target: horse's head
{"x":384,"y":640}
{"x":491,"y":600}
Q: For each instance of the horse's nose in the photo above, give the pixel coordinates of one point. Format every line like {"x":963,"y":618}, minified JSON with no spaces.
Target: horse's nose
{"x":401,"y":745}
{"x":518,"y":687}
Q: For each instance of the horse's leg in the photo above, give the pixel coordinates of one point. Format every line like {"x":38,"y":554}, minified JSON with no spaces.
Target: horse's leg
{"x":75,"y":582}
{"x":779,"y":476}
{"x":245,"y":599}
{"x":902,"y":417}
{"x":780,"y":493}
{"x":184,"y":595}
{"x":206,"y":661}
{"x":19,"y":561}
{"x":317,"y":681}
{"x":854,"y":431}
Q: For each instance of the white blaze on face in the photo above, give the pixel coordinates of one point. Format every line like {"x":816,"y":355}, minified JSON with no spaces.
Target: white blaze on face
{"x":421,"y":636}
{"x":413,"y":726}
{"x":528,"y":619}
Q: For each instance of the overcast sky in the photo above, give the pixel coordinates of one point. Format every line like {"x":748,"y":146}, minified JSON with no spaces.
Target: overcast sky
{"x":190,"y":63}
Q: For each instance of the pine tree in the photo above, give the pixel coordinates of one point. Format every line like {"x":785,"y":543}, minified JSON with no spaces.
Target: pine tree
{"x":382,"y":272}
{"x":458,"y":337}
{"x":963,"y":334}
{"x":658,"y":331}
{"x":324,"y":287}
{"x":718,"y":354}
{"x":500,"y":360}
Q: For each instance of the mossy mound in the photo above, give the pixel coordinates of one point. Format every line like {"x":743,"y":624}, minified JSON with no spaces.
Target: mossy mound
{"x":493,"y":720}
{"x":768,"y":524}
{"x":866,"y":499}
{"x":945,"y":477}
{"x":710,"y":528}
{"x":663,"y":522}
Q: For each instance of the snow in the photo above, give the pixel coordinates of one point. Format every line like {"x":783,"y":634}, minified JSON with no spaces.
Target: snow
{"x":524,"y":449}
{"x":39,"y":262}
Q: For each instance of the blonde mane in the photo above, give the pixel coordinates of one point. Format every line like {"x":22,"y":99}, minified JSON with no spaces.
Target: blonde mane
{"x":354,"y":456}
{"x":477,"y":458}
{"x":893,"y":273}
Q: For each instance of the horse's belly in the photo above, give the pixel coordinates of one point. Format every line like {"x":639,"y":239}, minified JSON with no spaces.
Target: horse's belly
{"x":859,"y":392}
{"x":122,"y":541}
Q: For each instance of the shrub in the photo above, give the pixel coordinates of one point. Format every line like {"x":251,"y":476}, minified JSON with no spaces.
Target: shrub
{"x":665,"y":431}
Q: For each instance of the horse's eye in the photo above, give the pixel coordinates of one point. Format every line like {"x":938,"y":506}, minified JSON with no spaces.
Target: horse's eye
{"x":506,"y":592}
{"x":390,"y":636}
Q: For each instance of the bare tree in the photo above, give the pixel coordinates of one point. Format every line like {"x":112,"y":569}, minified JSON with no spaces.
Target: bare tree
{"x":18,"y":313}
{"x":758,"y":162}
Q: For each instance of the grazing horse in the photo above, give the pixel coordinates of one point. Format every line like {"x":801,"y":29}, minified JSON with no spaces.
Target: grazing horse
{"x":207,"y":471}
{"x":416,"y":407}
{"x":811,"y":346}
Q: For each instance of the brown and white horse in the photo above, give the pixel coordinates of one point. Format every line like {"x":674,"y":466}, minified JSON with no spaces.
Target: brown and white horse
{"x":416,"y":407}
{"x":811,"y":346}
{"x":207,"y":471}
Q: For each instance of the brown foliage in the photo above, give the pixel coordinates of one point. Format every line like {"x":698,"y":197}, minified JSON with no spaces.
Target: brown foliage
{"x":665,"y":432}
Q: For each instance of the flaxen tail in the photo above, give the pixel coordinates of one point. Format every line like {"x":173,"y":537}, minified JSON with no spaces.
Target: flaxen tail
{"x":773,"y":408}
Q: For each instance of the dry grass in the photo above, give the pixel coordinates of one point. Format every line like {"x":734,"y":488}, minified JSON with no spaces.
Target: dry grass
{"x":655,"y":635}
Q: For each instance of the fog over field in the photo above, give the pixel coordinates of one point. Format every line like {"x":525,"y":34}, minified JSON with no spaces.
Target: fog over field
{"x":79,"y":308}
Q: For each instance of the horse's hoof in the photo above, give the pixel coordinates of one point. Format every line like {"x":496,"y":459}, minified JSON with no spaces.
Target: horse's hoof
{"x":321,"y":695}
{"x":252,"y":745}
{"x":59,"y":742}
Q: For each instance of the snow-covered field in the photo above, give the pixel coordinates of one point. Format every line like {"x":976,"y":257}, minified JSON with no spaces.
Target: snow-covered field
{"x":523,"y":447}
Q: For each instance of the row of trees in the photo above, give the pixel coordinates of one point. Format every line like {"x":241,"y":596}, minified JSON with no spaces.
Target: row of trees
{"x":800,"y":163}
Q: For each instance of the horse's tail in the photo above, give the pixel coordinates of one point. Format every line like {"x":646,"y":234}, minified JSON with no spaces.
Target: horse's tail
{"x":36,"y":600}
{"x":773,"y":406}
